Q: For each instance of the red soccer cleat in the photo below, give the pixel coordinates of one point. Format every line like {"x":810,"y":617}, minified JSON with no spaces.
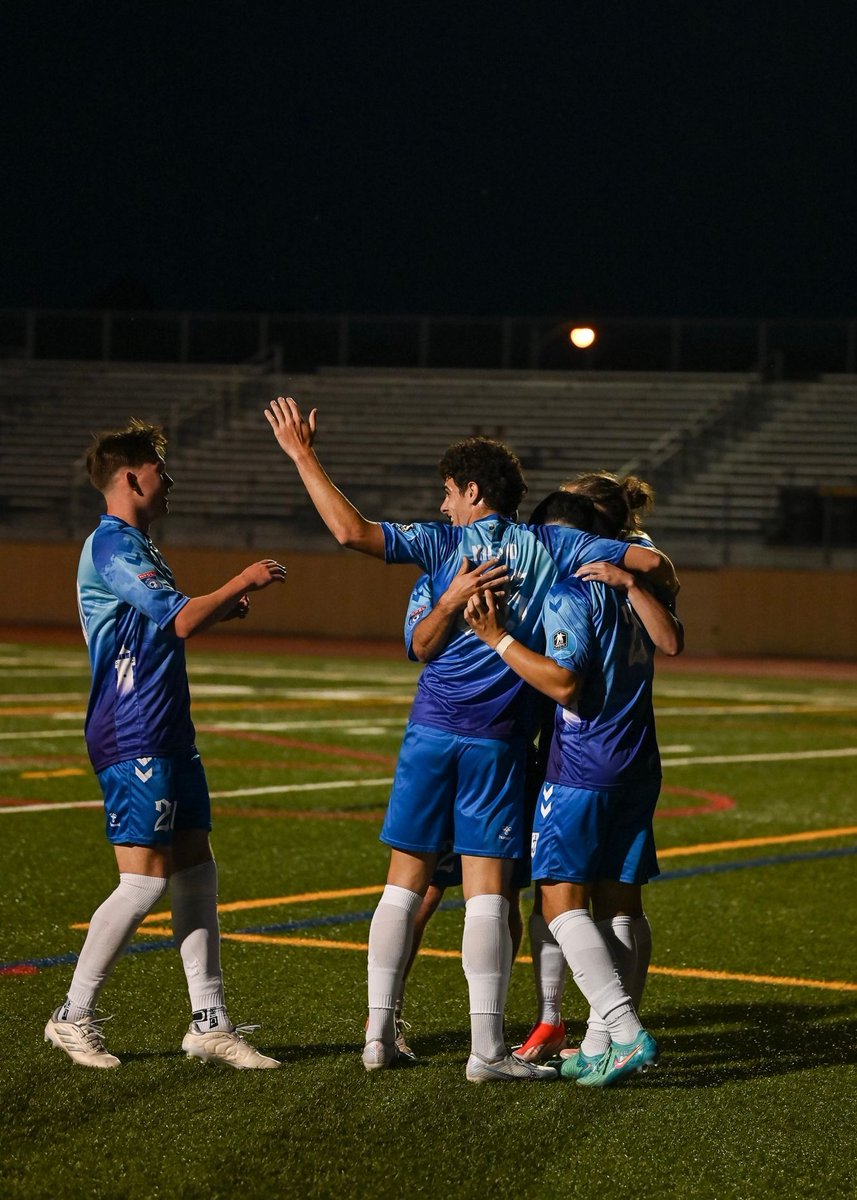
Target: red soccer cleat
{"x":544,"y":1042}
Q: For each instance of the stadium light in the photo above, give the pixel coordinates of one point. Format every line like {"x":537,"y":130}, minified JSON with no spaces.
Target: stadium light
{"x":582,"y":337}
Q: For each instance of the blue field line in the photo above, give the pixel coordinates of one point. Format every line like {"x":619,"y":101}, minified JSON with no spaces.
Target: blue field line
{"x":770,"y":861}
{"x":356,"y":918}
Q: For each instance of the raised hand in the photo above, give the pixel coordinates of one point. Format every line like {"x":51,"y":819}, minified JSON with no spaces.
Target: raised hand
{"x":260,"y":574}
{"x":294,"y":432}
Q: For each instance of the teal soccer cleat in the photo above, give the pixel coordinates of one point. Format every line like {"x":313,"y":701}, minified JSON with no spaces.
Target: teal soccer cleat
{"x":619,"y":1061}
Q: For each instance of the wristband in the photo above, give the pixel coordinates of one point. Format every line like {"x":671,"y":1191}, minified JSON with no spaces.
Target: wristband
{"x":504,"y":644}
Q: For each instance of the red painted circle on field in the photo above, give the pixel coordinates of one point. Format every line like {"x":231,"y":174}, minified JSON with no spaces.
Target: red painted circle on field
{"x":20,"y":969}
{"x":711,"y":802}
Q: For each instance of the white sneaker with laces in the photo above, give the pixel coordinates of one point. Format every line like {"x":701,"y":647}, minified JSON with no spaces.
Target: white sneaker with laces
{"x":504,"y":1070}
{"x":83,"y":1041}
{"x":226,"y":1046}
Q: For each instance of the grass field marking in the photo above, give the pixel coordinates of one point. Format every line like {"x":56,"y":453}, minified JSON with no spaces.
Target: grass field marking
{"x":274,"y":789}
{"x":31,"y":735}
{"x":775,"y":756}
{"x":246,"y":905}
{"x":834,"y":985}
{"x":38,"y":806}
{"x":42,"y":697}
{"x":784,"y":839}
{"x":747,"y":710}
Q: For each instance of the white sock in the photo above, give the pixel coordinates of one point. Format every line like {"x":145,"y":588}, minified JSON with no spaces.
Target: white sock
{"x":549,"y":968}
{"x":486,"y":953}
{"x":111,"y":928}
{"x":196,"y":931}
{"x":619,"y":938}
{"x":642,"y":932}
{"x":595,"y":972}
{"x":390,"y":936}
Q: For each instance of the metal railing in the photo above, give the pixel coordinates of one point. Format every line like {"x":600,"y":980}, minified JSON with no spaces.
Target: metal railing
{"x":302,"y":342}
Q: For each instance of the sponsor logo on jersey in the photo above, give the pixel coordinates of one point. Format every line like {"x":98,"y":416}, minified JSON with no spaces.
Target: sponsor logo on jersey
{"x":415,"y":614}
{"x":150,"y":579}
{"x":403,"y":528}
{"x":560,"y":640}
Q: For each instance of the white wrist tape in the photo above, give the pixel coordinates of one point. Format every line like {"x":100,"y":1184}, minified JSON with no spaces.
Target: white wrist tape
{"x":504,"y":644}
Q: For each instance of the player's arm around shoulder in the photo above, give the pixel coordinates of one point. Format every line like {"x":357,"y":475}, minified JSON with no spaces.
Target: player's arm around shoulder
{"x":662,"y":626}
{"x":653,"y":564}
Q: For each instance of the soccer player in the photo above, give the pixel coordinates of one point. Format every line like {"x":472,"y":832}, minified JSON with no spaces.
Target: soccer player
{"x":460,"y":769}
{"x":594,"y":818}
{"x":616,"y":507}
{"x":140,"y":739}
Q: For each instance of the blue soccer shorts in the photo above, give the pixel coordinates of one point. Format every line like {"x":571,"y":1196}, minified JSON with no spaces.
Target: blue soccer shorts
{"x":451,"y":788}
{"x":580,"y":836}
{"x":146,"y":799}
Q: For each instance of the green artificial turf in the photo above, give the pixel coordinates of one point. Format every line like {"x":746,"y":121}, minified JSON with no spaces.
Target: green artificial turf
{"x":754,"y":1096}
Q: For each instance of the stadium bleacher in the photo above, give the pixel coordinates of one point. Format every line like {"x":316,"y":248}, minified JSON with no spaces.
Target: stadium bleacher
{"x":720,"y":448}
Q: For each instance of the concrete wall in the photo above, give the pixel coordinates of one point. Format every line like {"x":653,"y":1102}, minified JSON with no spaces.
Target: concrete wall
{"x":729,"y":611}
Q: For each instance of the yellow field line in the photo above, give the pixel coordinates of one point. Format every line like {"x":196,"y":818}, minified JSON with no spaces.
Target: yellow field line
{"x":785,"y":839}
{"x":376,"y":889}
{"x":833,"y":985}
{"x":299,"y":898}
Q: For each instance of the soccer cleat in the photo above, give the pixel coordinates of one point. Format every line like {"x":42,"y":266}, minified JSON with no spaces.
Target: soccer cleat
{"x":574,"y":1063}
{"x":83,"y":1041}
{"x":402,"y":1026}
{"x":227,"y":1047}
{"x":378,"y":1055}
{"x":505,"y":1069}
{"x":619,"y":1061}
{"x":544,"y":1042}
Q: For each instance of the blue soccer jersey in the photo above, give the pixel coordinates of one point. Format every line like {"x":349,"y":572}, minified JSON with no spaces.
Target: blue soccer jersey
{"x":468,"y":689}
{"x":609,"y":739}
{"x":139,"y":704}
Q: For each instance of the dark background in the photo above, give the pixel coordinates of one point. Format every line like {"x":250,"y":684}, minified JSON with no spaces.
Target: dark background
{"x":603,"y":158}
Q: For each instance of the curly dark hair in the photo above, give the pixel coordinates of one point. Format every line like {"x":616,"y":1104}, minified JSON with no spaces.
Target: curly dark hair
{"x":619,"y":501}
{"x":138,"y":443}
{"x":493,"y":467}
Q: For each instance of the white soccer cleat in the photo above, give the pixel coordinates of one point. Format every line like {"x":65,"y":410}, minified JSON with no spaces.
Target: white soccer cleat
{"x":377,"y":1055}
{"x":83,"y":1041}
{"x":505,"y":1070}
{"x":227,"y":1047}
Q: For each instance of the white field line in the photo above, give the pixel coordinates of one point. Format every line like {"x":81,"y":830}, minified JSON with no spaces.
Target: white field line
{"x":340,"y":784}
{"x":779,"y":756}
{"x":24,"y":735}
{"x":277,"y":789}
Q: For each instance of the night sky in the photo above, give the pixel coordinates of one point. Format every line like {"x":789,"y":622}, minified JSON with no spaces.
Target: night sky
{"x":603,"y":158}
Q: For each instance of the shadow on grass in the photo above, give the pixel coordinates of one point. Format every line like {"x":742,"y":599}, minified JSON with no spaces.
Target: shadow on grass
{"x":708,"y":1045}
{"x":702,"y":1046}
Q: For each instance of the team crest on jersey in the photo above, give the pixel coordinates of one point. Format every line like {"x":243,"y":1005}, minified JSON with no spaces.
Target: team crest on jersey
{"x":150,"y":578}
{"x":534,"y":841}
{"x":415,"y":614}
{"x":560,"y":640}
